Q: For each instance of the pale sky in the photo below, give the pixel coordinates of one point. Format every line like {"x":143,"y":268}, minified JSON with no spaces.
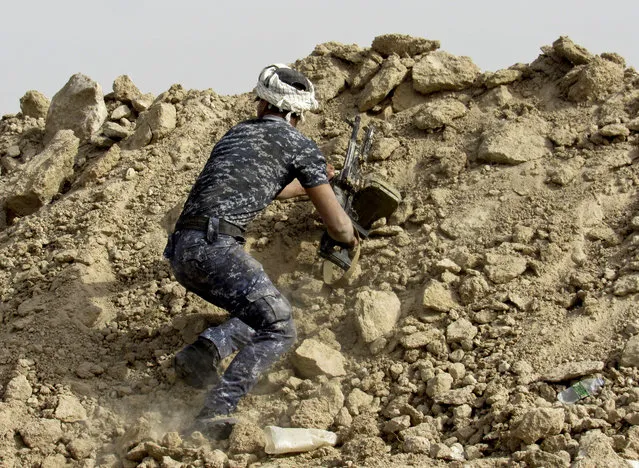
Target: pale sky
{"x":223,"y":45}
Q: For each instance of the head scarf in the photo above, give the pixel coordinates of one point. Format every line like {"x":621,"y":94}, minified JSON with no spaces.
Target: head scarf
{"x":284,"y":96}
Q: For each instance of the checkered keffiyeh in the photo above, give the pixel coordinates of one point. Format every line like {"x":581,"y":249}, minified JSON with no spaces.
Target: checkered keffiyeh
{"x":282,"y":95}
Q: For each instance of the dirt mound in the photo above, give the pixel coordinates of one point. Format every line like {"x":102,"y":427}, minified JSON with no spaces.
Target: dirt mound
{"x":510,"y":270}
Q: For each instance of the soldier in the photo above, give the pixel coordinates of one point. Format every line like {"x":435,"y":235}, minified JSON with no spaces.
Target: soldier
{"x":256,"y":162}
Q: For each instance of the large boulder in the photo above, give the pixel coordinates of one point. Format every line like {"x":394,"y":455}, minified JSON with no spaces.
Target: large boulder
{"x":595,"y":81}
{"x":78,"y":106}
{"x":391,"y":74}
{"x":124,"y":90}
{"x":43,"y":176}
{"x":441,"y":71}
{"x":564,"y":47}
{"x":376,"y":313}
{"x":403,"y":45}
{"x":153,"y":125}
{"x":34,"y":104}
{"x":438,"y":114}
{"x":514,"y":142}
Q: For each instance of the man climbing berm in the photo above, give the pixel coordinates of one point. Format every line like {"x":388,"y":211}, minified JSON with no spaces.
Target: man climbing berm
{"x":256,"y":162}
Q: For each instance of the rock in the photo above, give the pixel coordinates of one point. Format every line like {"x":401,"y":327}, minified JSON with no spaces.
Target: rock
{"x":460,"y":330}
{"x":498,"y":97}
{"x":13,"y":151}
{"x":614,"y":130}
{"x":403,"y":45}
{"x":576,"y":54}
{"x":472,"y":289}
{"x":56,"y":460}
{"x":596,"y":449}
{"x":115,"y":131}
{"x":313,"y":413}
{"x":322,"y":409}
{"x":120,"y":112}
{"x":18,"y":389}
{"x":364,"y":448}
{"x":383,"y":148}
{"x":101,"y":166}
{"x":143,"y":102}
{"x":438,"y":297}
{"x":313,"y":358}
{"x":124,"y":89}
{"x":439,"y":384}
{"x":43,"y":176}
{"x":358,"y":402}
{"x":376,"y":313}
{"x":626,"y":285}
{"x":390,"y":75}
{"x":572,"y":370}
{"x":500,"y":77}
{"x":540,"y":458}
{"x":630,"y":355}
{"x":168,"y":462}
{"x":504,"y":268}
{"x":34,"y":104}
{"x":457,"y":396}
{"x":514,"y":142}
{"x":153,"y":125}
{"x":80,"y":448}
{"x":347,"y":52}
{"x":633,"y":125}
{"x":420,"y":339}
{"x":246,"y":438}
{"x":214,"y":458}
{"x":41,"y":433}
{"x":427,"y":429}
{"x":594,"y":81}
{"x":396,"y":424}
{"x":539,"y":423}
{"x":416,"y":444}
{"x":438,"y":114}
{"x":78,"y":106}
{"x":328,"y":74}
{"x":367,"y":70}
{"x":563,"y":136}
{"x":70,"y":409}
{"x":441,"y":71}
{"x":405,"y":97}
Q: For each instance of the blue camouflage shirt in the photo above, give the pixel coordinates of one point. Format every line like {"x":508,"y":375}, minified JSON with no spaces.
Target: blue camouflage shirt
{"x":250,"y":166}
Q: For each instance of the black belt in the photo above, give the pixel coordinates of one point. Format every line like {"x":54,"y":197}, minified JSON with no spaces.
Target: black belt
{"x":201,"y":223}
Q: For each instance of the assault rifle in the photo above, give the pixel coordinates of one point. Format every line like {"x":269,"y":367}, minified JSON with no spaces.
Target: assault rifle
{"x":364,"y":198}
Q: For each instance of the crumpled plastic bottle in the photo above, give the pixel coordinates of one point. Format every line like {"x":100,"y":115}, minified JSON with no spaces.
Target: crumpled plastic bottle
{"x":294,"y":439}
{"x":580,"y":390}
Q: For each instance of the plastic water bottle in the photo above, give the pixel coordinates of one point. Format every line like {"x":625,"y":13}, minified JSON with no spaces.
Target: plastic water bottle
{"x":290,"y":440}
{"x":580,"y":390}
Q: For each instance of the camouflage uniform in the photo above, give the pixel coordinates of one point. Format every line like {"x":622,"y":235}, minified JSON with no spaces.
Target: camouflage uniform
{"x":248,"y":167}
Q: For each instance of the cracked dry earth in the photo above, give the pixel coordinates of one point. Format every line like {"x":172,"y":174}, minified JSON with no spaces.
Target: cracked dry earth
{"x":509,"y":271}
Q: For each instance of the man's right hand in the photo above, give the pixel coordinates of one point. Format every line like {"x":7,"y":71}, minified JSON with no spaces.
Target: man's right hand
{"x":338,"y":224}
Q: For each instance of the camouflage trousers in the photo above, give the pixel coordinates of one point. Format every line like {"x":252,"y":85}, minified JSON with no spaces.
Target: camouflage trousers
{"x":261,"y":325}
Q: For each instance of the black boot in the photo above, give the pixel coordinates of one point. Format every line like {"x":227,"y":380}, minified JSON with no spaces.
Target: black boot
{"x":213,"y":428}
{"x":196,"y":364}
